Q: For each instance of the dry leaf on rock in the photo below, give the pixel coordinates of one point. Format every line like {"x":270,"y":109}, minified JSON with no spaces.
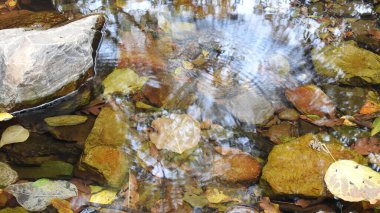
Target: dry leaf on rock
{"x":268,"y":206}
{"x":353,"y":182}
{"x":65,"y":120}
{"x":310,"y":99}
{"x":5,"y":116}
{"x":364,"y":146}
{"x":176,"y":133}
{"x":63,"y":206}
{"x":14,"y":134}
{"x":36,"y":196}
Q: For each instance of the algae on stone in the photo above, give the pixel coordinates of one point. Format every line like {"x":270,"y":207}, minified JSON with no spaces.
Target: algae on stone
{"x":103,"y":152}
{"x":348,"y":63}
{"x":295,"y":168}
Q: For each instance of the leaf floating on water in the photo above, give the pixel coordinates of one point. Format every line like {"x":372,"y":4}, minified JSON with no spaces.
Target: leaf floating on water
{"x":7,"y":175}
{"x":4,"y":116}
{"x":123,"y":81}
{"x":106,"y":196}
{"x":63,"y":206}
{"x":177,"y":133}
{"x":375,"y":126}
{"x":14,"y":134}
{"x":353,"y":182}
{"x":36,"y":196}
{"x":187,"y":65}
{"x":65,"y":120}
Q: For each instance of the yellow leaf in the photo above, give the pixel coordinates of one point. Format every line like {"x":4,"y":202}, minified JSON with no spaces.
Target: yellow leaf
{"x":95,"y":189}
{"x":14,"y":134}
{"x":187,"y":65}
{"x":353,"y":182}
{"x":104,"y":197}
{"x":4,"y":116}
{"x":63,"y":206}
{"x":143,"y":105}
{"x":123,"y":81}
{"x":205,"y":53}
{"x":65,"y":120}
{"x":215,"y":196}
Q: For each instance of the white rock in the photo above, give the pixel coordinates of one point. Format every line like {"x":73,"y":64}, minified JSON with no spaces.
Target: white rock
{"x":37,"y":63}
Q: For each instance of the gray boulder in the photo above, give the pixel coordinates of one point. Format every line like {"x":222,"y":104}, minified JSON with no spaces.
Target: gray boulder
{"x":39,"y":65}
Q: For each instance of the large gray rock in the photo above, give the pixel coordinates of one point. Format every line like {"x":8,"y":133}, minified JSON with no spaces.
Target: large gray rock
{"x":36,"y":64}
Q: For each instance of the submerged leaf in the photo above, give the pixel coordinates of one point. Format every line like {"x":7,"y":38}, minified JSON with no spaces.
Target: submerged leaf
{"x":104,"y":197}
{"x":176,"y":133}
{"x":63,"y":206}
{"x":375,"y":126}
{"x":36,"y":196}
{"x":130,"y":192}
{"x":14,"y":134}
{"x":65,"y":120}
{"x":4,"y":116}
{"x":268,"y":206}
{"x":7,"y":175}
{"x":369,"y":107}
{"x":123,"y":81}
{"x":213,"y":195}
{"x":353,"y":182}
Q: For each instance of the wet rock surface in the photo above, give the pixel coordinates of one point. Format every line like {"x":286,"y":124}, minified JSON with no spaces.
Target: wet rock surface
{"x":294,"y":168}
{"x":51,"y":60}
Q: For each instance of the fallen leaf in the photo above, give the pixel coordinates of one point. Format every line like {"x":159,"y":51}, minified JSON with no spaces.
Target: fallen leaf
{"x":4,"y":116}
{"x":369,"y":107}
{"x":268,"y":206}
{"x":130,"y":192}
{"x":7,"y":175}
{"x":65,"y":120}
{"x":14,"y":134}
{"x":353,"y":182}
{"x":36,"y":196}
{"x":364,"y":146}
{"x":375,"y":126}
{"x":223,"y":150}
{"x":123,"y":81}
{"x":11,"y":4}
{"x":374,"y":33}
{"x":143,"y":105}
{"x":311,"y":100}
{"x":187,"y":65}
{"x":213,"y":195}
{"x":303,"y":203}
{"x":176,"y":133}
{"x":106,"y":196}
{"x":63,"y":206}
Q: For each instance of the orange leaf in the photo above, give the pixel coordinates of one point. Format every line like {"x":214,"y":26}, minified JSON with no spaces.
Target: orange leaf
{"x":369,"y":107}
{"x":63,"y":206}
{"x":374,"y":33}
{"x":268,"y":206}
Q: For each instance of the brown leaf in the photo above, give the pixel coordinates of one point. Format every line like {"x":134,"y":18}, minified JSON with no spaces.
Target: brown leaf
{"x":374,"y":33}
{"x":63,"y":206}
{"x":130,"y":193}
{"x":268,"y":206}
{"x":94,"y":107}
{"x":79,"y":202}
{"x":303,"y":203}
{"x":228,"y":150}
{"x":364,"y":146}
{"x":311,"y":100}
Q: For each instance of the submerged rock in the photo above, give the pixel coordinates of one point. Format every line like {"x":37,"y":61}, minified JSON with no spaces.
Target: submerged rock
{"x":40,"y":65}
{"x":250,"y":107}
{"x":103,"y":152}
{"x":49,"y":169}
{"x":295,"y":168}
{"x":348,"y":63}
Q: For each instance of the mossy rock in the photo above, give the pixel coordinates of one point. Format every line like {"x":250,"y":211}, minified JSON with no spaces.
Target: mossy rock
{"x":294,"y":168}
{"x":347,"y":63}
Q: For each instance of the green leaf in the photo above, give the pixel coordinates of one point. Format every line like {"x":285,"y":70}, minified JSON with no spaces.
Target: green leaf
{"x":314,"y":117}
{"x":375,"y":126}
